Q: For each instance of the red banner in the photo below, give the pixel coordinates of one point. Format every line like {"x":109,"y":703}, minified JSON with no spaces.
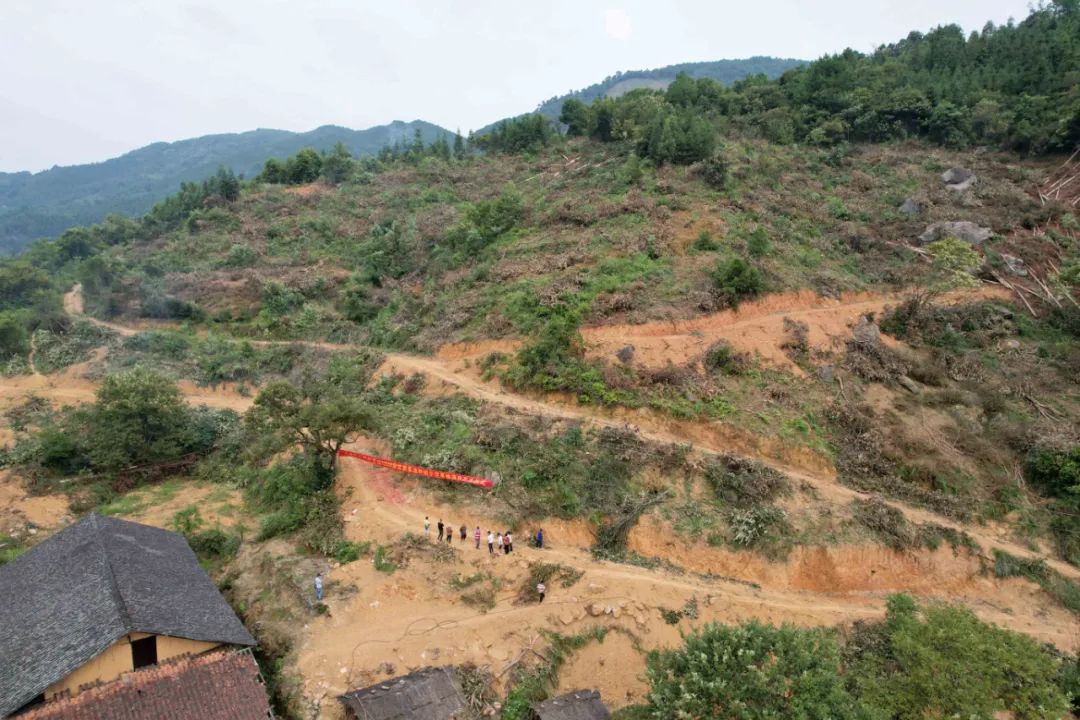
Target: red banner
{"x":417,"y":470}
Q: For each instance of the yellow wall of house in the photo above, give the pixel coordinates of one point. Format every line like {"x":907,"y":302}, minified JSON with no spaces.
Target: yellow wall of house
{"x":116,"y":660}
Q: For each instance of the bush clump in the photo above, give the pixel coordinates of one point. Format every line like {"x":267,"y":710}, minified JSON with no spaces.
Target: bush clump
{"x":744,"y":483}
{"x":750,"y":671}
{"x":942,"y":661}
{"x":735,"y":280}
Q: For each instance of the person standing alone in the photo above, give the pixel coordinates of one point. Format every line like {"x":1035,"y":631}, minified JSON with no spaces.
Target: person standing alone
{"x":427,"y":527}
{"x":318,"y":587}
{"x":476,"y":537}
{"x":541,"y":590}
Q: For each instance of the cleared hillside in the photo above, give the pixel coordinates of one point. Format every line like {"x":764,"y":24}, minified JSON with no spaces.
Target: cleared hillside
{"x":794,"y":357}
{"x":44,"y":204}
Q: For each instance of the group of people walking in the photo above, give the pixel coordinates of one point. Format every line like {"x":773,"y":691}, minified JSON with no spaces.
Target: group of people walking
{"x":496,"y":542}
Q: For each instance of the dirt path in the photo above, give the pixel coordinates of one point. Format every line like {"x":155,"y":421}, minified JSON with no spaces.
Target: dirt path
{"x":414,"y":617}
{"x":755,"y":327}
{"x":381,"y":625}
{"x":648,"y":427}
{"x":800,"y":464}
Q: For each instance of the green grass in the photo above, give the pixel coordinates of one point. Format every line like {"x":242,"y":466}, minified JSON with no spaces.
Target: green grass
{"x":382,"y":564}
{"x":1061,"y":589}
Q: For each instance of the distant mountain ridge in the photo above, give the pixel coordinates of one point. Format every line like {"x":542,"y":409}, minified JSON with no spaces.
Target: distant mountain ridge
{"x":723,"y":71}
{"x":46,"y":203}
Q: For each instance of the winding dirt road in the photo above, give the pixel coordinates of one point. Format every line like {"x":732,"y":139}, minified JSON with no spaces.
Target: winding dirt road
{"x":410,"y":619}
{"x":826,"y":319}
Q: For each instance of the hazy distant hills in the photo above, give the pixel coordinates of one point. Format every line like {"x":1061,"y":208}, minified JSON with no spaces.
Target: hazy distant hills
{"x":724,"y":71}
{"x":44,"y":204}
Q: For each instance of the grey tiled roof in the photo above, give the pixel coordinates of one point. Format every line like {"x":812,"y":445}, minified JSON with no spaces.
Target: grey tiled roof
{"x":576,"y":705}
{"x":69,"y":598}
{"x":426,"y":694}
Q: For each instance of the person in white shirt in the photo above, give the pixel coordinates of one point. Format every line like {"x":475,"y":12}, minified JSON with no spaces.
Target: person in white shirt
{"x":540,"y":590}
{"x":499,"y":542}
{"x":491,"y":543}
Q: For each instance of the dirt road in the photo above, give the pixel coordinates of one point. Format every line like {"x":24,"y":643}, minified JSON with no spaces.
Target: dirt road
{"x":414,"y":617}
{"x":825,"y":318}
{"x":382,"y":625}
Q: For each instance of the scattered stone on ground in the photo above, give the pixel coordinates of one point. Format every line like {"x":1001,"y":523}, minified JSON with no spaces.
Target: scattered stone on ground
{"x":964,"y":230}
{"x":1015,"y":265}
{"x":958,"y":178}
{"x":911,"y":207}
{"x":865,"y":332}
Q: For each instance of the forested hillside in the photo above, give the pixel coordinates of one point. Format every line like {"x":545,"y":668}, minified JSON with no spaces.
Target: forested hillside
{"x":44,"y":204}
{"x":725,"y":72}
{"x":785,"y":370}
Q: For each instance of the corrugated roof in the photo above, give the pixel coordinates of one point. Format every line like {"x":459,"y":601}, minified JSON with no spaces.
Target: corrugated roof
{"x":70,"y":597}
{"x":215,"y":686}
{"x":426,"y":694}
{"x":576,"y":705}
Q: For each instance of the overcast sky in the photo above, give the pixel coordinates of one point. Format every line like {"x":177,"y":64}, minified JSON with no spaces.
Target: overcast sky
{"x":85,"y":80}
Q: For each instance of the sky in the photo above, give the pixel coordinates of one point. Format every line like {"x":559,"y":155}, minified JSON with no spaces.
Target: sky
{"x":85,"y":81}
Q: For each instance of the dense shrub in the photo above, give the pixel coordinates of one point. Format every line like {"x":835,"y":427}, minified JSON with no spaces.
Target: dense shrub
{"x":744,"y":483}
{"x":1054,"y":472}
{"x":750,"y":671}
{"x":714,"y":171}
{"x":942,"y":661}
{"x":484,"y":222}
{"x":735,"y":280}
{"x":722,"y":357}
{"x":138,"y":427}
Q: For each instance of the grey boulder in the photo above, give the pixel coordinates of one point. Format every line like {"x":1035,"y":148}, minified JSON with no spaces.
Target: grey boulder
{"x":964,"y":230}
{"x":958,"y":178}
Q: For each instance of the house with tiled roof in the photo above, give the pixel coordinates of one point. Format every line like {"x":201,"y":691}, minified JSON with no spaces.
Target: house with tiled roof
{"x":220,"y":685}
{"x":431,"y":693}
{"x":99,"y":599}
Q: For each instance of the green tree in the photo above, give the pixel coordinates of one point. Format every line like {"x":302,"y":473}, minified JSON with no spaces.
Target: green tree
{"x":274,"y":172}
{"x":577,"y":118}
{"x":14,"y":338}
{"x":757,"y":242}
{"x":338,"y":165}
{"x":735,"y":280}
{"x":459,"y":145}
{"x":303,"y":167}
{"x":440,"y":148}
{"x":749,"y":672}
{"x":138,"y":418}
{"x":954,"y":262}
{"x":316,"y":415}
{"x":22,"y":284}
{"x":223,"y":184}
{"x":557,"y":345}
